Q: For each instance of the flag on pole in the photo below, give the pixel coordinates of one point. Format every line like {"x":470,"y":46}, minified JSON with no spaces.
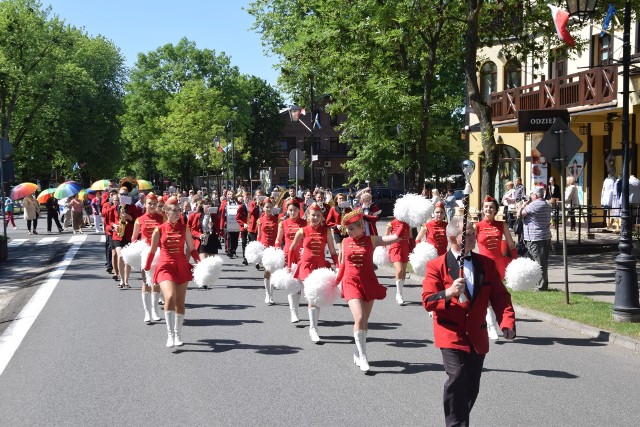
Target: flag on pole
{"x":76,"y":167}
{"x":607,"y":19}
{"x":560,"y":19}
{"x":225,"y":149}
{"x":316,"y":122}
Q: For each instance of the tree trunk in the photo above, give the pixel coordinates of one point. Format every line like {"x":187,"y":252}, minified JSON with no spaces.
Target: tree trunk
{"x":480,"y":108}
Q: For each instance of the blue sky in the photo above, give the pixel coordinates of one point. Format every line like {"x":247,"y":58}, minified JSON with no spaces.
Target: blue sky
{"x":144,"y":25}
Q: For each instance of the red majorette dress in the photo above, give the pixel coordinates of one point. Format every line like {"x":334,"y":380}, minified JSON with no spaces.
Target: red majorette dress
{"x":290,"y":227}
{"x":173,"y":264}
{"x":489,"y":236}
{"x":399,"y":251}
{"x":358,"y":277}
{"x":148,"y":222}
{"x":437,"y":235}
{"x":313,"y":244}
{"x":268,"y":225}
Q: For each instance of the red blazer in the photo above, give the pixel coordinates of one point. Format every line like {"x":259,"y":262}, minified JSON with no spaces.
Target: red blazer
{"x":372,"y":219}
{"x":333,"y":218}
{"x":254,"y":215}
{"x":221,"y":216}
{"x":242,"y":216}
{"x":193,"y":222}
{"x":460,"y":326}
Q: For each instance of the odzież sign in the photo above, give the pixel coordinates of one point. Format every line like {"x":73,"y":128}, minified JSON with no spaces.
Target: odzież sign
{"x":540,"y":120}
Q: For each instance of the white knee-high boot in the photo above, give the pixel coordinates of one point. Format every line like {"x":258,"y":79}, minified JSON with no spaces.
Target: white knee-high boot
{"x":145,"y":304}
{"x":177,"y":340}
{"x":293,"y":307}
{"x":314,"y":313}
{"x":170,"y":318}
{"x":268,"y":292}
{"x":492,"y":324}
{"x":361,"y":344}
{"x":399,"y":286}
{"x":154,"y":306}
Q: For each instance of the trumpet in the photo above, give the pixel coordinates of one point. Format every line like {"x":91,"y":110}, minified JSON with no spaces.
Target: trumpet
{"x":207,"y":229}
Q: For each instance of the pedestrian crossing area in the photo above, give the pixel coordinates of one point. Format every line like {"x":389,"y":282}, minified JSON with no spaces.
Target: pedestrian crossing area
{"x":44,"y":241}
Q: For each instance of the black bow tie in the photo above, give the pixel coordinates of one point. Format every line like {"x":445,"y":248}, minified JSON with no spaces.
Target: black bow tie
{"x":466,"y":257}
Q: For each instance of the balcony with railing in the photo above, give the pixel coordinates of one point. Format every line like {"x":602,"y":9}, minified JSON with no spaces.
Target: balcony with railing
{"x":592,"y":87}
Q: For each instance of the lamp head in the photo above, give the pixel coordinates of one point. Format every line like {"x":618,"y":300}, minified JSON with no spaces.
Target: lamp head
{"x":468,"y":167}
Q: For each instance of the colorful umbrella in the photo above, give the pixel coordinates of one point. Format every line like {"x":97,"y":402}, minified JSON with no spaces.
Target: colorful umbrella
{"x":87,"y":193}
{"x":20,"y":191}
{"x":100,"y":185}
{"x":46,"y":195}
{"x":67,"y":189}
{"x":143,"y":184}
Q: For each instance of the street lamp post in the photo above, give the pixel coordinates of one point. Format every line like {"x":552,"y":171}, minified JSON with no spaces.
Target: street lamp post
{"x":294,"y":116}
{"x":626,"y":307}
{"x":404,"y":159}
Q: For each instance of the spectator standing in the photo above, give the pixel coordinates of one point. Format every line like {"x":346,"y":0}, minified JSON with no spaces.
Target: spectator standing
{"x":96,"y":211}
{"x":450,"y":204}
{"x":75,"y":205}
{"x":571,"y":200}
{"x":8,"y":213}
{"x":31,"y":213}
{"x":521,"y":192}
{"x":536,"y":215}
{"x":52,"y":213}
{"x":509,"y":203}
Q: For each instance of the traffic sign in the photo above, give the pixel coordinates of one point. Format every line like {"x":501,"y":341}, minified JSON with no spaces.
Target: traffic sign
{"x":549,"y":147}
{"x":296,"y":155}
{"x":292,"y":172}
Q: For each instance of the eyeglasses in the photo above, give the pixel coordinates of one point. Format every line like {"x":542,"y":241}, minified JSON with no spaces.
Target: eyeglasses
{"x":123,"y":194}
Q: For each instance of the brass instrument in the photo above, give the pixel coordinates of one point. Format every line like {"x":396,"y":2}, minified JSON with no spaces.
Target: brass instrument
{"x":207,"y":229}
{"x":123,"y":222}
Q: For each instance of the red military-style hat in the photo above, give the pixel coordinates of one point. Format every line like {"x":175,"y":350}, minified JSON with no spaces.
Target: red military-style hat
{"x":439,"y":205}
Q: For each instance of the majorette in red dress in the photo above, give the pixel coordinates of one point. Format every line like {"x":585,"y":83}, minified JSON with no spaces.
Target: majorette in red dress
{"x":437,"y":235}
{"x":399,"y":251}
{"x":268,"y":225}
{"x":173,"y":263}
{"x":359,"y":279}
{"x":489,"y":236}
{"x":313,"y":244}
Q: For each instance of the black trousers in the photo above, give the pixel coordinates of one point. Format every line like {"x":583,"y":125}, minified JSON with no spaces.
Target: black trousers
{"x":232,"y":241}
{"x":51,"y":217}
{"x":245,"y":238}
{"x":253,"y":237}
{"x":107,"y":252}
{"x":462,"y":387}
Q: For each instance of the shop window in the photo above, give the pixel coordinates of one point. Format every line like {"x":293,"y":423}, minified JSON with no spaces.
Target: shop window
{"x":508,"y":170}
{"x":602,"y":49}
{"x":488,"y":80}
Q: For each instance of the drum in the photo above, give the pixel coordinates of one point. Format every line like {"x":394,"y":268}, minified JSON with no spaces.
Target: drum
{"x":232,"y":224}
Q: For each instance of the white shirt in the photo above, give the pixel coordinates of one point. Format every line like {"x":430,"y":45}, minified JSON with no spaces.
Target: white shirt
{"x":467,"y":271}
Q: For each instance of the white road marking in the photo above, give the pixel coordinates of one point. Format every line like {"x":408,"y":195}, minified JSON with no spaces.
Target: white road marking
{"x":79,"y":238}
{"x":14,"y":243}
{"x":15,"y":333}
{"x":103,"y":238}
{"x":46,"y":241}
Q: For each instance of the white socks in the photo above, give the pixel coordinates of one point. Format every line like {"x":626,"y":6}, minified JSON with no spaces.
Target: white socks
{"x":268,"y":290}
{"x":399,"y":286}
{"x":154,"y":306}
{"x":177,"y":341}
{"x":361,"y":346}
{"x":294,"y":302}
{"x":145,"y":304}
{"x":170,"y":318}
{"x":314,"y":313}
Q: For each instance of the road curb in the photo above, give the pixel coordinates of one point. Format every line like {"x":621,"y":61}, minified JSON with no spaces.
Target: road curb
{"x":591,"y":331}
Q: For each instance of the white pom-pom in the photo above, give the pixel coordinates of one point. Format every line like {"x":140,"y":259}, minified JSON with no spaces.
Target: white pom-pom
{"x":320,"y":287}
{"x":253,"y":252}
{"x":207,"y":271}
{"x":154,"y":263}
{"x":132,"y":254}
{"x":381,"y":256}
{"x":284,"y":281}
{"x":523,"y":274}
{"x":272,"y":259}
{"x":413,"y":209}
{"x":422,"y":253}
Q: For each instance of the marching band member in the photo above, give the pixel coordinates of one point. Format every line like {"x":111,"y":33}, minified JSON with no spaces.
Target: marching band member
{"x":371,"y":214}
{"x":202,"y":225}
{"x":459,"y":327}
{"x":254,"y":215}
{"x":334,"y":219}
{"x":143,"y":227}
{"x":399,"y":253}
{"x":360,"y":286}
{"x":287,"y":230}
{"x":267,"y":233}
{"x":436,"y":230}
{"x":490,"y":233}
{"x":242,"y":218}
{"x":314,"y":237}
{"x":228,"y":222}
{"x":173,"y":271}
{"x":106,"y":215}
{"x":122,"y":219}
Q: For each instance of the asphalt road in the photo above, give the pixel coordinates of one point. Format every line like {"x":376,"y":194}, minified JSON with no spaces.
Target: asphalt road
{"x":89,"y":359}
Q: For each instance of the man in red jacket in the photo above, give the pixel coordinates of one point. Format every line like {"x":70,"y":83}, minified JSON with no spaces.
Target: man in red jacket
{"x":460,"y":328}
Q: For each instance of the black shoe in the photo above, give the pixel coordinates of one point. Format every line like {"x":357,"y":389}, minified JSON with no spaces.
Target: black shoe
{"x":258,"y":267}
{"x":110,"y":270}
{"x":245,"y":262}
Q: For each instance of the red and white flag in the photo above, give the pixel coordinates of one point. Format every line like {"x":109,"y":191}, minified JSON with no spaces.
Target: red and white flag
{"x":561,"y":18}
